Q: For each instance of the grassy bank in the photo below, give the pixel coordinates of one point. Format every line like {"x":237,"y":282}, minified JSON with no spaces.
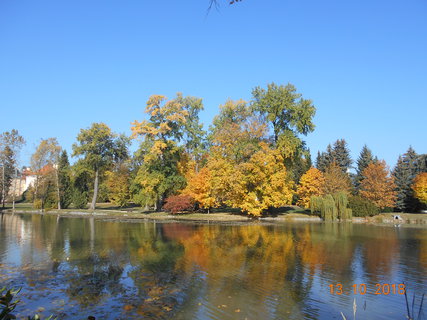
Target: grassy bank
{"x":287,"y":214}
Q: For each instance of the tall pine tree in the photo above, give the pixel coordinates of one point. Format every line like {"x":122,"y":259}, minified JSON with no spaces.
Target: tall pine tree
{"x":338,"y":153}
{"x":422,"y":163}
{"x":341,"y":155}
{"x":404,"y":173}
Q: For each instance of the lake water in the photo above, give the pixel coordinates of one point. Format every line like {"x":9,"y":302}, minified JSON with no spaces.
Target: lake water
{"x":76,"y":267}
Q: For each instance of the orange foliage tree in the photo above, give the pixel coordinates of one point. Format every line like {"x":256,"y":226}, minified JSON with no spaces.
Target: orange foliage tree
{"x":336,"y":180}
{"x":200,"y":189}
{"x":420,"y":187}
{"x":312,"y":183}
{"x":377,"y":185}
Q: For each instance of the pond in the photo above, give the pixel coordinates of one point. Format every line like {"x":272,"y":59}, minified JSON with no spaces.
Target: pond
{"x":76,"y":267}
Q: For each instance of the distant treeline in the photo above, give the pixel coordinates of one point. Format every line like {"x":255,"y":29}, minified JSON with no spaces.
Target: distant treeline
{"x":253,"y":157}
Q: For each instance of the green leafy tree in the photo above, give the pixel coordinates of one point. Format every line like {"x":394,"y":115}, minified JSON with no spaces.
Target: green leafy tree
{"x":194,"y":137}
{"x":100,"y":147}
{"x":289,"y":115}
{"x":81,"y":184}
{"x":64,"y":179}
{"x":404,"y":174}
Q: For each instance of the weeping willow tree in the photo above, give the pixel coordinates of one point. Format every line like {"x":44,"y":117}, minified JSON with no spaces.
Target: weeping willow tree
{"x":331,"y":207}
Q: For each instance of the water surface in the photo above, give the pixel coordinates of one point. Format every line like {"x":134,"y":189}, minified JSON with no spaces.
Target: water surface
{"x":76,"y":267}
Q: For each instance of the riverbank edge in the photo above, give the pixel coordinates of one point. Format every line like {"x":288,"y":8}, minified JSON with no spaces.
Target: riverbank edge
{"x":223,"y":217}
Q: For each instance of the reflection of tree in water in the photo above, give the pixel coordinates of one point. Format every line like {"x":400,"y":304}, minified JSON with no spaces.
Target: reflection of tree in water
{"x":177,"y":270}
{"x":158,"y":284}
{"x":93,"y":278}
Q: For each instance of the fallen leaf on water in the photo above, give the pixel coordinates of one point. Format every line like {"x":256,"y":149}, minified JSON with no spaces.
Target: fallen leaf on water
{"x":128,"y":307}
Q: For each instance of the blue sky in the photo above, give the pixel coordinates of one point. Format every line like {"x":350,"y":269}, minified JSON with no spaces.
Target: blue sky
{"x":66,"y":64}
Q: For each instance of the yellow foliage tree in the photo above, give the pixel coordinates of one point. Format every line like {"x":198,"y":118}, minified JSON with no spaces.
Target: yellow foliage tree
{"x":420,"y":187}
{"x":377,"y":185}
{"x":258,"y":184}
{"x":312,"y":183}
{"x":199,"y":188}
{"x":118,"y":185}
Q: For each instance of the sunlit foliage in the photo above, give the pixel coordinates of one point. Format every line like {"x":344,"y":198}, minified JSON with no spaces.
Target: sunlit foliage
{"x":420,"y":187}
{"x":312,"y":183}
{"x":377,"y":185}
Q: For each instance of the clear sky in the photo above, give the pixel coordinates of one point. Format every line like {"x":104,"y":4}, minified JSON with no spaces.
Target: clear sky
{"x":66,"y":64}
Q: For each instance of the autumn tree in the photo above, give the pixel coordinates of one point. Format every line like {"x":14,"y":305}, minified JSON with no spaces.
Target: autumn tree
{"x":245,"y":172}
{"x":44,"y":164}
{"x":118,"y":183}
{"x":404,"y":174}
{"x":200,"y":189}
{"x":312,"y":183}
{"x":336,"y":180}
{"x":236,"y":132}
{"x":261,"y":183}
{"x":234,"y":137}
{"x":377,"y":185}
{"x":365,"y":158}
{"x":420,"y":187}
{"x":11,"y":143}
{"x":172,"y":128}
{"x":100,"y":147}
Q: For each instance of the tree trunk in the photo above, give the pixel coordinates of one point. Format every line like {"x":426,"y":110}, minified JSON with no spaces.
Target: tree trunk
{"x":95,"y":191}
{"x":14,"y":190}
{"x":3,"y":188}
{"x":57,"y":188}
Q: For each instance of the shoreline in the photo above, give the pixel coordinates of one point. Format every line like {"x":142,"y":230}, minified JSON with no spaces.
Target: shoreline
{"x":419,"y":219}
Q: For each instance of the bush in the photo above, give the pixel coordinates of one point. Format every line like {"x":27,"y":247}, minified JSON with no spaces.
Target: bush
{"x":181,"y":203}
{"x":362,"y":207}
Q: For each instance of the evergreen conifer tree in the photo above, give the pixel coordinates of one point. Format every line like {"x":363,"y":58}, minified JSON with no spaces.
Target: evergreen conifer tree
{"x":365,"y":158}
{"x":341,"y":155}
{"x":422,"y":163}
{"x":321,"y":162}
{"x":404,"y":173}
{"x":64,"y":181}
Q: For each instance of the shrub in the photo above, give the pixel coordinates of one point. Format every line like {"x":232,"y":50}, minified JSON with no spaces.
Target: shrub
{"x":181,"y":203}
{"x":362,"y":207}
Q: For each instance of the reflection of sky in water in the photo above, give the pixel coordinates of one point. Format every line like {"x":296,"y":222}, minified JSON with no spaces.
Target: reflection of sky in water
{"x":75,"y":267}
